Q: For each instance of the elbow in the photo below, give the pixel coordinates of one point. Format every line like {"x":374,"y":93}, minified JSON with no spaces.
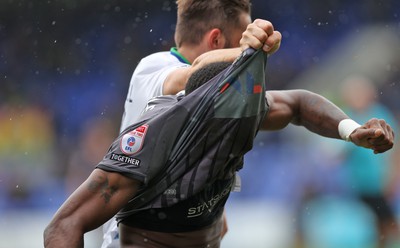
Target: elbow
{"x":304,"y":105}
{"x":61,"y":234}
{"x":47,"y":235}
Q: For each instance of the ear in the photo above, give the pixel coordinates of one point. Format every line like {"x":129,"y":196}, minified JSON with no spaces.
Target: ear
{"x":215,"y":39}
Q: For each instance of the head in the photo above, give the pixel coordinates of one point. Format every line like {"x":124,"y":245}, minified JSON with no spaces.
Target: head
{"x":358,"y":92}
{"x":204,"y":74}
{"x":223,"y":21}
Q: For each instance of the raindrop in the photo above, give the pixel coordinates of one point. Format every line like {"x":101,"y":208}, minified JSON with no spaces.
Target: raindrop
{"x":151,"y":30}
{"x":17,"y":186}
{"x":127,"y":40}
{"x":53,"y":23}
{"x":285,"y":34}
{"x":145,"y":240}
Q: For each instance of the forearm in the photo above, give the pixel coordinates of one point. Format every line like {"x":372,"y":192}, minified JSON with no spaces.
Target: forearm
{"x":318,"y":114}
{"x":176,"y":80}
{"x":219,"y":55}
{"x":95,"y":201}
{"x":61,"y":235}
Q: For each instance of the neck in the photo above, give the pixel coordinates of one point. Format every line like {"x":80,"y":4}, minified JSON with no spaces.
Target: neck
{"x":191,"y":52}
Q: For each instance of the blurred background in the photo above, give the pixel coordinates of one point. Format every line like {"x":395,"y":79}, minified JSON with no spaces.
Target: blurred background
{"x":65,"y":67}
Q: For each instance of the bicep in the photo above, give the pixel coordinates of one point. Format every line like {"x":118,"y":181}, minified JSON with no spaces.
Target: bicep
{"x":282,"y":110}
{"x":98,"y":199}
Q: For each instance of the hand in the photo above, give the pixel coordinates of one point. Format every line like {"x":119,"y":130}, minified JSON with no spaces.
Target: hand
{"x":375,"y":134}
{"x":259,"y":34}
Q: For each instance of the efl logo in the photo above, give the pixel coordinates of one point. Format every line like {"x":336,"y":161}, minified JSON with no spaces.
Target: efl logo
{"x":132,"y":142}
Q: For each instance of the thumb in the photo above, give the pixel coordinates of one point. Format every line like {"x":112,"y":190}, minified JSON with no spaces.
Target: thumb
{"x":378,"y":132}
{"x":370,"y":133}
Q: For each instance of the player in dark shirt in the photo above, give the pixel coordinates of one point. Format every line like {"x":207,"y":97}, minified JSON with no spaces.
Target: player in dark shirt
{"x":201,"y":171}
{"x":169,"y":175}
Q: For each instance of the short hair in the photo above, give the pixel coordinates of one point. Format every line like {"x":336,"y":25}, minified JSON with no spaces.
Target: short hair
{"x":196,"y":17}
{"x":204,"y":74}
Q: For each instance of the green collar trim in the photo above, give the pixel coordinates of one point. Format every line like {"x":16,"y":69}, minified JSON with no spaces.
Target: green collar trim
{"x":178,"y":55}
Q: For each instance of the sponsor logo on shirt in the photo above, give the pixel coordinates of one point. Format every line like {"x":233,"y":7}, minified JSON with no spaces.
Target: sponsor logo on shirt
{"x":207,"y":205}
{"x":132,"y":142}
{"x":125,"y":159}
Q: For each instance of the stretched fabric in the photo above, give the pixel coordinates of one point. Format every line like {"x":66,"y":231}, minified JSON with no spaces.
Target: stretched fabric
{"x":188,"y":143}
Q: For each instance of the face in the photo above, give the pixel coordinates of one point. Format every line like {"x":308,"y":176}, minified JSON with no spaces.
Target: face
{"x":233,"y":39}
{"x":359,"y":93}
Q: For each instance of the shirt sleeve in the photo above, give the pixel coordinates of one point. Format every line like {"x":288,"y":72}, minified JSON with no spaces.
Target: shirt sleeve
{"x":147,"y":82}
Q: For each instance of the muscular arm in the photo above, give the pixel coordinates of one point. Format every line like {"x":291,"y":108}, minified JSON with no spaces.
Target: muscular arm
{"x":303,"y":108}
{"x":98,"y":199}
{"x":319,"y":115}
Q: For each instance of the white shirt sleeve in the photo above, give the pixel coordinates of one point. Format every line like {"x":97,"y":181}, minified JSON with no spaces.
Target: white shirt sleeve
{"x":147,"y":82}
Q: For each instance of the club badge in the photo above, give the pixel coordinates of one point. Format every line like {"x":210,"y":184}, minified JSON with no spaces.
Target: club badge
{"x":132,"y":142}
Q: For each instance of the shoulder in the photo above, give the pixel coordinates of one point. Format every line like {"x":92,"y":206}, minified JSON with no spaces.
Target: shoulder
{"x":163,"y":100}
{"x":160,"y":62}
{"x":158,"y":104}
{"x":158,"y":58}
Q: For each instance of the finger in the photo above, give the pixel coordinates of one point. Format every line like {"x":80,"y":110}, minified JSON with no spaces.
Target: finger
{"x":377,"y":137}
{"x":250,"y":41}
{"x":273,"y":42}
{"x":382,"y":148}
{"x":370,"y":133}
{"x":266,"y":26}
{"x":389,"y":131}
{"x":253,"y":37}
{"x":378,"y":133}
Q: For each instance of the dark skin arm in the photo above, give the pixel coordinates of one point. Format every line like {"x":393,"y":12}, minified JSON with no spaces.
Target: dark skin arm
{"x":95,"y":201}
{"x":319,"y":115}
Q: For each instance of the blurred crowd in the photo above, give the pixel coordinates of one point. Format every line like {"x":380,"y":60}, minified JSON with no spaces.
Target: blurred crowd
{"x":65,"y":67}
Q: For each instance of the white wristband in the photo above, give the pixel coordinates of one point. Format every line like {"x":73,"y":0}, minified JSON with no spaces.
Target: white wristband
{"x":347,"y":127}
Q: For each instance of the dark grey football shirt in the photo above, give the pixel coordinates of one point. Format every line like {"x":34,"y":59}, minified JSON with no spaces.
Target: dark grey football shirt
{"x":186,"y":150}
